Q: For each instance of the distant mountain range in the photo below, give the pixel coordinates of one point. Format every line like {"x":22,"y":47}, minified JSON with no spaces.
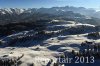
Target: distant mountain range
{"x":17,"y":14}
{"x":84,"y":11}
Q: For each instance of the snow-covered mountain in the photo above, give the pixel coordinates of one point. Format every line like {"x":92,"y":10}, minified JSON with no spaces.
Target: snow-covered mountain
{"x":79,"y":14}
{"x":31,"y":10}
{"x":84,"y":11}
{"x":11,"y":11}
{"x":8,"y":15}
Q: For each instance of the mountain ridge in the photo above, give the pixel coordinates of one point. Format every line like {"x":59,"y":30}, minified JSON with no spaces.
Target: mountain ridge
{"x":84,"y":11}
{"x":79,"y":14}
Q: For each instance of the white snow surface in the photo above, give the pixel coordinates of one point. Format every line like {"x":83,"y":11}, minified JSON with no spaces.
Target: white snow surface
{"x":51,"y":50}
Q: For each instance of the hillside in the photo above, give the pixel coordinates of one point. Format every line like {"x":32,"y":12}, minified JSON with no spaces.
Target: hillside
{"x":43,"y":47}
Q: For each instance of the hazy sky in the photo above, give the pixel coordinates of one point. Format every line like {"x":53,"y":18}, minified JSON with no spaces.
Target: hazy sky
{"x":48,"y":3}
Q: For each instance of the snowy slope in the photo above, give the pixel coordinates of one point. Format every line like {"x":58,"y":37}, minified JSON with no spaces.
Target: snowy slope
{"x":40,"y":53}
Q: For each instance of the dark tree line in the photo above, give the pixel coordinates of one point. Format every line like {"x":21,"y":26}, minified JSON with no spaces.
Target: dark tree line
{"x":10,"y":28}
